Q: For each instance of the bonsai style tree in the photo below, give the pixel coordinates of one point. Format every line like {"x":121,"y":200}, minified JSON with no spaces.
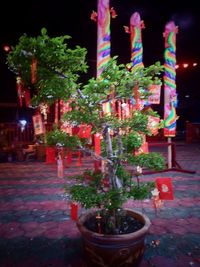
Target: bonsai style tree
{"x":58,"y":69}
{"x":107,"y":190}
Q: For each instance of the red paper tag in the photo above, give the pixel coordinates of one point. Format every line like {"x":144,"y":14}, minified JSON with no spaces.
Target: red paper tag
{"x":143,"y":149}
{"x":74,"y":211}
{"x":169,"y":132}
{"x":75,"y":130}
{"x":97,"y":143}
{"x":165,"y":189}
{"x":27,"y":97}
{"x":34,"y":71}
{"x":155,"y":90}
{"x":38,"y":124}
{"x":84,"y":131}
{"x":153,"y":123}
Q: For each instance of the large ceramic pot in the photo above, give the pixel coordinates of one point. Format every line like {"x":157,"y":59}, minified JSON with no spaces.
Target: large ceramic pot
{"x":124,"y":250}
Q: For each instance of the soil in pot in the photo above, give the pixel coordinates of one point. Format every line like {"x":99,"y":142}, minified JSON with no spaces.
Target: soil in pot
{"x":127,"y":225}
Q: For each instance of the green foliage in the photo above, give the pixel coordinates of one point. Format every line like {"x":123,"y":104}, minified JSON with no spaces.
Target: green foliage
{"x":94,"y":192}
{"x":87,"y":196}
{"x":122,"y":80}
{"x":153,"y":161}
{"x":58,"y":66}
{"x":58,"y":71}
{"x":120,"y":139}
{"x":132,"y":141}
{"x":59,"y":137}
{"x":142,"y":191}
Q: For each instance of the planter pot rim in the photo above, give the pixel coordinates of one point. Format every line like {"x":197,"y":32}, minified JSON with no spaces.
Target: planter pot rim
{"x":112,"y":238}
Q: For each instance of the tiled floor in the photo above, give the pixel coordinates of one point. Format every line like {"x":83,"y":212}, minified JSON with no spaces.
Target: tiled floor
{"x":36,"y":229}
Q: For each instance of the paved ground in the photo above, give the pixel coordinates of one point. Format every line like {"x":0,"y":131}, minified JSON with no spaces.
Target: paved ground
{"x":36,"y":229}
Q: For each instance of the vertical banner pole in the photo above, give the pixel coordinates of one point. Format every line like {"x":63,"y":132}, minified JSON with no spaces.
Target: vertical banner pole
{"x":103,"y":35}
{"x":169,"y":158}
{"x":103,"y":50}
{"x":136,"y":24}
{"x":170,"y":96}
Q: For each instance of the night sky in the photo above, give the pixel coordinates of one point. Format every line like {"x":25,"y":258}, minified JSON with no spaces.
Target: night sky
{"x":73,"y":18}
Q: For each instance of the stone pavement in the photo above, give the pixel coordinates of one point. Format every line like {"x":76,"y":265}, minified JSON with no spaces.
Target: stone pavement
{"x":36,"y":229}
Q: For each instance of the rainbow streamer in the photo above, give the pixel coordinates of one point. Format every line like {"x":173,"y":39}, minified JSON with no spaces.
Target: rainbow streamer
{"x":136,"y":40}
{"x":170,"y":96}
{"x":103,"y":35}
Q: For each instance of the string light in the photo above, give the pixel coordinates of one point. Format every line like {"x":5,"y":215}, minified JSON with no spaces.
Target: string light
{"x":186,"y":65}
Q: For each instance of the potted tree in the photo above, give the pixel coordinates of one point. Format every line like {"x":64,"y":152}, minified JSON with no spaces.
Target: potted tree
{"x":112,"y":234}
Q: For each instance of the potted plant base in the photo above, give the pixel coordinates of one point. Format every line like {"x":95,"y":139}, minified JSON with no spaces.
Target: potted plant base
{"x":121,"y":250}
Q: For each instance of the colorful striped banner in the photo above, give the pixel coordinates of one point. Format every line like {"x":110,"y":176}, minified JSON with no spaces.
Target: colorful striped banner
{"x":103,"y":35}
{"x":170,"y":96}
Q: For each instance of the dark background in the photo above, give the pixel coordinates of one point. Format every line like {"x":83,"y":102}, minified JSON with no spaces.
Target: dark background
{"x":73,"y":18}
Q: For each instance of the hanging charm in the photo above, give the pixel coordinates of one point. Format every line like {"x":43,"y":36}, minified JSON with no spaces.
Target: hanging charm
{"x":19,"y":85}
{"x":74,"y":211}
{"x":27,"y":97}
{"x":157,"y":202}
{"x":44,"y":108}
{"x":98,"y":218}
{"x":60,"y":163}
{"x":34,"y":71}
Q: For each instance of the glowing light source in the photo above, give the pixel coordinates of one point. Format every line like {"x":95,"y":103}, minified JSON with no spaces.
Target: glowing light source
{"x":22,"y":124}
{"x":185,"y":65}
{"x":6,"y":48}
